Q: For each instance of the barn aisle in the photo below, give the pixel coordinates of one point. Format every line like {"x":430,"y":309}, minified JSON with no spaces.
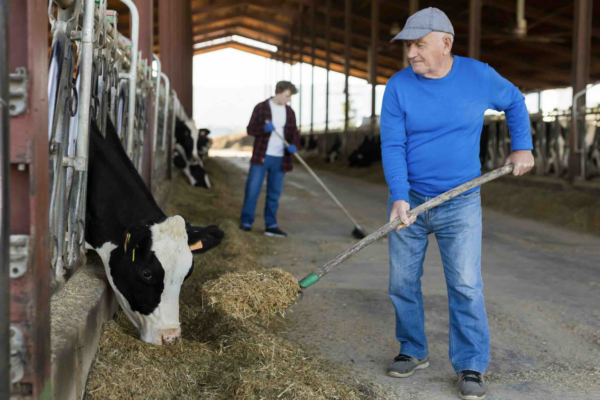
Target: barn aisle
{"x":542,"y":287}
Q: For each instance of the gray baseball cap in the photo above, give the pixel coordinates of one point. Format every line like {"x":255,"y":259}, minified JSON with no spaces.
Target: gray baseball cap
{"x":423,"y":22}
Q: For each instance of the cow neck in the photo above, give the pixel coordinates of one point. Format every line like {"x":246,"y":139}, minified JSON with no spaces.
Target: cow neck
{"x":117,"y":196}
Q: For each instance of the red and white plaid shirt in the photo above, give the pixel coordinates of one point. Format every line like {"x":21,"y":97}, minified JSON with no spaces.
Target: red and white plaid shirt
{"x":256,"y":128}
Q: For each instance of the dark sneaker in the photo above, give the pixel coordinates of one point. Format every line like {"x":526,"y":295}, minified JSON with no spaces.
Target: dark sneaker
{"x":276,"y":232}
{"x":245,"y":228}
{"x":470,"y":385}
{"x":404,"y":366}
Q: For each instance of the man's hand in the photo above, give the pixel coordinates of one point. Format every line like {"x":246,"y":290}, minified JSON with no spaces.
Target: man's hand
{"x":269,"y":127}
{"x":399,"y":210}
{"x":522,"y":160}
{"x":292,"y":149}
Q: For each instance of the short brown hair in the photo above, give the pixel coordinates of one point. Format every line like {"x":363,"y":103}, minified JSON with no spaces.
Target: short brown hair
{"x":282,"y":86}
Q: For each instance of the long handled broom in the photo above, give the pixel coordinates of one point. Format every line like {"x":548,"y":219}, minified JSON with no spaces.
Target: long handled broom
{"x":357,"y":232}
{"x":314,"y":277}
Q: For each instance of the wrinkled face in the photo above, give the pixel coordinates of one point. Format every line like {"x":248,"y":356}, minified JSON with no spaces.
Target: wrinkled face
{"x":426,"y":55}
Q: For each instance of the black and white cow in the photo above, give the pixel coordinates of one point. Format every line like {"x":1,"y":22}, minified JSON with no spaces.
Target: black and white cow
{"x":146,"y":254}
{"x":334,"y":151}
{"x":189,"y":147}
{"x":367,"y":153}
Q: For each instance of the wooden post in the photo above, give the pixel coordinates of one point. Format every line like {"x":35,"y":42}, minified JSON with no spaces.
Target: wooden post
{"x":374,"y":52}
{"x":312,"y":62}
{"x":474,"y":29}
{"x":580,"y":70}
{"x":413,"y":7}
{"x":327,"y":61}
{"x":301,"y":59}
{"x":348,"y":32}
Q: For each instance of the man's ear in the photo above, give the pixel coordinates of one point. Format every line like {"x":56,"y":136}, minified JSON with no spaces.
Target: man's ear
{"x":202,"y":240}
{"x":447,"y":44}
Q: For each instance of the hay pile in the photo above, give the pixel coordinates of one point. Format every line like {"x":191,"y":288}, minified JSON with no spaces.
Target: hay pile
{"x":218,"y":356}
{"x":245,"y":295}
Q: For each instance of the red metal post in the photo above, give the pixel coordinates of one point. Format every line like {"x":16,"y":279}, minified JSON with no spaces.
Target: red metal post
{"x":30,"y":293}
{"x":176,"y":47}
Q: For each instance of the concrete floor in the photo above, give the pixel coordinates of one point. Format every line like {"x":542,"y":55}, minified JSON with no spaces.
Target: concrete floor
{"x":542,"y":290}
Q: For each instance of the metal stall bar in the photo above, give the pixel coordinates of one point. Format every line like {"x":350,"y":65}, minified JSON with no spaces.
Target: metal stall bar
{"x":156,"y":100}
{"x":4,"y":207}
{"x":165,"y":110}
{"x":135,"y":32}
{"x":580,"y":133}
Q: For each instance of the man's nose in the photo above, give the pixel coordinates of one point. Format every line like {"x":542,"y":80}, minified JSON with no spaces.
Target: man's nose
{"x":412,"y":52}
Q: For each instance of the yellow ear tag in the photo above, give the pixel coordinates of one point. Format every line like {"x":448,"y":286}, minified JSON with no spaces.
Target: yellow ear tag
{"x":196,"y":246}
{"x":127,"y":241}
{"x":133,"y":256}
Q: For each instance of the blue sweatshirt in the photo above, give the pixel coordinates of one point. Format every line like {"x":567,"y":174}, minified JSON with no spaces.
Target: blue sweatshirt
{"x":430,"y":128}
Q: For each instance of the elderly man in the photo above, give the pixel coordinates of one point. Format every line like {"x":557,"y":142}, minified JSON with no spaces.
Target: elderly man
{"x":431,"y":122}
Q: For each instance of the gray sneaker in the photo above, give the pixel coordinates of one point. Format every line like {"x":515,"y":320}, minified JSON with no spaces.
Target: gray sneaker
{"x":470,"y":385}
{"x":404,"y":366}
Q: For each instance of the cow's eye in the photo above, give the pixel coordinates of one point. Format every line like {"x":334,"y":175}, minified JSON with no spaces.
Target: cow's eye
{"x":147,"y":274}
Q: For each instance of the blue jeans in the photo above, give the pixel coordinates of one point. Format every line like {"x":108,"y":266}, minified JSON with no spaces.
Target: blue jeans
{"x":457,"y":228}
{"x":256,"y":176}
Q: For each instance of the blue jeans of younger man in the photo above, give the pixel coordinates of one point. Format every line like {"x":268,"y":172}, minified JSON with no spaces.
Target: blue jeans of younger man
{"x":256,"y":176}
{"x":457,"y":228}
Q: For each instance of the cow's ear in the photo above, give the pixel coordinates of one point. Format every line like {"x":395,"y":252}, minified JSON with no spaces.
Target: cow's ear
{"x":201,"y":240}
{"x":138,"y":241}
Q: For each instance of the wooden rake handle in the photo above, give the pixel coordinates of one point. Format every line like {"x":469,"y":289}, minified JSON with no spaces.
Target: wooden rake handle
{"x":314,"y":277}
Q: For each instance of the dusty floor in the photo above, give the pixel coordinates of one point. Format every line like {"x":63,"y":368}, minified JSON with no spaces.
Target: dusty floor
{"x":542,"y":287}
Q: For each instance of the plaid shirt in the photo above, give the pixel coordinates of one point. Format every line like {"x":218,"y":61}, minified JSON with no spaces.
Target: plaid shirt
{"x":256,"y":128}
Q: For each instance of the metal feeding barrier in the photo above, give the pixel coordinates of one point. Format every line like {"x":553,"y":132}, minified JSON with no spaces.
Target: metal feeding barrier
{"x":95,"y":74}
{"x":551,"y":149}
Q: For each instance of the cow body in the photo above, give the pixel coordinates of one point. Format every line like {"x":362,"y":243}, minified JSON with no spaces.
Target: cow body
{"x":367,"y":153}
{"x":189,"y":151}
{"x":146,"y":254}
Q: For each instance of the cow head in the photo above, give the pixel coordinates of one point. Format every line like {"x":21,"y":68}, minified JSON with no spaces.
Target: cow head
{"x":148,"y":268}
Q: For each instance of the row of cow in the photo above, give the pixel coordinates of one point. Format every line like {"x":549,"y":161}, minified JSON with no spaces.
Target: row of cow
{"x":551,"y":149}
{"x":98,"y":116}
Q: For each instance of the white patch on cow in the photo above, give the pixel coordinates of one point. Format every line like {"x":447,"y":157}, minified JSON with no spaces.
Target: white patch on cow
{"x":195,"y":148}
{"x":170,"y":246}
{"x":186,"y":170}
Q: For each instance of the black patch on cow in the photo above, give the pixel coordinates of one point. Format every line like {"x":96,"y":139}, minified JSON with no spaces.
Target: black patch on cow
{"x":137,"y":273}
{"x":178,"y":160}
{"x":211,"y":236}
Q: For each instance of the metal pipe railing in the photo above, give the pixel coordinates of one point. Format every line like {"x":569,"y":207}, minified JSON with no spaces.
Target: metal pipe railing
{"x":156,"y":100}
{"x":580,"y":139}
{"x":165,"y":110}
{"x":4,"y":208}
{"x":135,"y":32}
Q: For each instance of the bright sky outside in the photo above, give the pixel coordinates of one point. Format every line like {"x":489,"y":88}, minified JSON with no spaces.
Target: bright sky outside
{"x":229,"y":83}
